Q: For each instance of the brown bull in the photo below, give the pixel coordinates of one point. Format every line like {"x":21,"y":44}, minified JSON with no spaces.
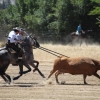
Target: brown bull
{"x":76,"y":66}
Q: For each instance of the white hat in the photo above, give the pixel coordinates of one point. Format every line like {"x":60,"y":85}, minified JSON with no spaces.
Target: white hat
{"x":16,"y":28}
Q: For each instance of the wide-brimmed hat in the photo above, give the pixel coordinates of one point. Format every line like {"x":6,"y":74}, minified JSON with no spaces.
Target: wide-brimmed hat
{"x":21,"y":29}
{"x":16,"y":28}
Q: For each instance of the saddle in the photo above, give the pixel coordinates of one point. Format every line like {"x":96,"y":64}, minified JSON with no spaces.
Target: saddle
{"x":13,"y":53}
{"x":10,"y":50}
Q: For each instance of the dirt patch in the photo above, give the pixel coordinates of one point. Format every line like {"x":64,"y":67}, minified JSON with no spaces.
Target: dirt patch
{"x":32,"y":86}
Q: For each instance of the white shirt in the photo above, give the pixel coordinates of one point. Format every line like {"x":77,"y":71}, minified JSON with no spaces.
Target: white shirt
{"x":19,"y":37}
{"x":12,"y":37}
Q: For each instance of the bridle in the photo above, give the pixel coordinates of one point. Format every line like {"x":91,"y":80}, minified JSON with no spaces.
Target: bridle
{"x":35,"y":44}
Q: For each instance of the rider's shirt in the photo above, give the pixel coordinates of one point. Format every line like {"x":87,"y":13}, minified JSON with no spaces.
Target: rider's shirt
{"x":12,"y":37}
{"x":19,"y":37}
{"x":79,"y":29}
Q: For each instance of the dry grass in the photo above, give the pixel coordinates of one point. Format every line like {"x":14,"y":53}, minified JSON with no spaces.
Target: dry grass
{"x":32,"y":86}
{"x":2,"y":44}
{"x":68,"y":50}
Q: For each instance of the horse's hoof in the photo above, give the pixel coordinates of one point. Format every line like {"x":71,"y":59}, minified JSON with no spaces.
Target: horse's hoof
{"x":43,"y":76}
{"x":7,"y":84}
{"x":21,"y":73}
{"x":34,"y":70}
{"x":85,"y":83}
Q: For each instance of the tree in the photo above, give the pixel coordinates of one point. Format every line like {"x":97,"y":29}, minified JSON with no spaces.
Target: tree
{"x":96,"y":10}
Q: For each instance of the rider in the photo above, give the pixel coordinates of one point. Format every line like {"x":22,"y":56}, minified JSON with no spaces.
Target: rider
{"x":20,"y":34}
{"x":20,"y":38}
{"x":79,"y":30}
{"x":13,"y":42}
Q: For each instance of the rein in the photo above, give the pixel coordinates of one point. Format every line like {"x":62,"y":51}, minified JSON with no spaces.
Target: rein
{"x":52,"y":52}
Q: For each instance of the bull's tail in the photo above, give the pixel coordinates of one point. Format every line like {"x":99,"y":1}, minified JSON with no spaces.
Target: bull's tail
{"x":56,"y":63}
{"x":52,"y":72}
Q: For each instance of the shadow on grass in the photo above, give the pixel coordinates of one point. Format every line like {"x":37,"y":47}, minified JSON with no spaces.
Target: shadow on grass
{"x":79,"y":84}
{"x":20,"y":84}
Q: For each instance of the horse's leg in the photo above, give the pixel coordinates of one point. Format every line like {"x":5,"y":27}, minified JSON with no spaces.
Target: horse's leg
{"x":36,"y":67}
{"x":21,"y":71}
{"x":80,"y":40}
{"x":37,"y":64}
{"x":72,"y":39}
{"x":8,"y":77}
{"x":27,"y":66}
{"x":17,"y":77}
{"x":3,"y":76}
{"x":86,"y":41}
{"x":20,"y":63}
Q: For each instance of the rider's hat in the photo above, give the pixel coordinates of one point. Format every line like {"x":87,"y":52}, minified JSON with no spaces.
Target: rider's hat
{"x":16,"y":29}
{"x":22,"y":29}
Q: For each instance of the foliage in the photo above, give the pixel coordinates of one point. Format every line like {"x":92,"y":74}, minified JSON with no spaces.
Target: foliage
{"x":59,"y":16}
{"x":96,"y":10}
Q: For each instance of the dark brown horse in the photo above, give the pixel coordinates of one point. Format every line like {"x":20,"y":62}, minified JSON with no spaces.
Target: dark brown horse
{"x":30,"y":42}
{"x":7,"y":58}
{"x":83,"y":37}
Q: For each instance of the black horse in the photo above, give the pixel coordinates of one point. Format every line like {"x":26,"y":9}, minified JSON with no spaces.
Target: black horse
{"x":6,"y":58}
{"x":84,"y":36}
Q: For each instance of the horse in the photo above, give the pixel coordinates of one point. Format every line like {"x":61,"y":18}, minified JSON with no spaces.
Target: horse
{"x":6,"y":58}
{"x":84,"y":36}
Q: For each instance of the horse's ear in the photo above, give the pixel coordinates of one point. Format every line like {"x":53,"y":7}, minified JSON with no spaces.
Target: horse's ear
{"x":30,"y":34}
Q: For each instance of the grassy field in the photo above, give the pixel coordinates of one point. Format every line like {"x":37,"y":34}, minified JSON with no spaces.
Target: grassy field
{"x":68,"y":50}
{"x":32,"y":86}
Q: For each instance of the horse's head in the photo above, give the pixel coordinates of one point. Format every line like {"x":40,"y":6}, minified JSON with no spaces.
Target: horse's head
{"x":87,"y":33}
{"x":34,"y":41}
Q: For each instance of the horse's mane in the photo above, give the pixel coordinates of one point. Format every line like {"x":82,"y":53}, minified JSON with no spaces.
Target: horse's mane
{"x":27,"y":40}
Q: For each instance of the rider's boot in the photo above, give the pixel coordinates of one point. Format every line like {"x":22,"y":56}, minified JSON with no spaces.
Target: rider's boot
{"x":19,"y":59}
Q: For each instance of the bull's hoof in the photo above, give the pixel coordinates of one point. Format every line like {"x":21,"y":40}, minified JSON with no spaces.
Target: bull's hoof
{"x":58,"y":83}
{"x":63,"y":82}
